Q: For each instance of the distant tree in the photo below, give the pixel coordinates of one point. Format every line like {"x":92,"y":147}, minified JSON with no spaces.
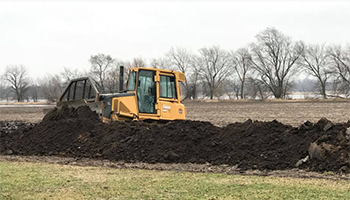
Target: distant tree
{"x":182,"y":60}
{"x":160,"y":63}
{"x":112,"y":79}
{"x":193,"y":78}
{"x":52,"y":87}
{"x":127,"y":65}
{"x":242,"y":65}
{"x":316,"y":62}
{"x":5,"y":90}
{"x":17,"y":78}
{"x":340,"y":60}
{"x":257,"y":89}
{"x":139,"y":62}
{"x":68,"y":74}
{"x":100,"y":64}
{"x":214,"y":63}
{"x":274,"y":58}
{"x":233,"y":88}
{"x":33,"y":92}
{"x":112,"y":75}
{"x":2,"y":88}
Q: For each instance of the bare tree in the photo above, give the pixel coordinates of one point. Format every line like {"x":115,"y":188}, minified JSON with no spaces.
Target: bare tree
{"x":274,"y":57}
{"x":2,"y":87}
{"x":241,"y":61}
{"x":160,"y":63}
{"x":100,"y":63}
{"x":193,"y":78}
{"x":52,"y":87}
{"x":112,"y":79}
{"x":257,"y":89}
{"x":182,"y":60}
{"x":233,"y":88}
{"x":139,"y":62}
{"x":112,"y":75}
{"x":68,"y":74}
{"x":127,"y":65}
{"x":34,"y":92}
{"x":340,"y":59}
{"x":16,"y":76}
{"x":214,"y":64}
{"x":315,"y":61}
{"x":5,"y":90}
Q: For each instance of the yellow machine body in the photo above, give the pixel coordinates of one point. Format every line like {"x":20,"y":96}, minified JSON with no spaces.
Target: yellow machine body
{"x":151,"y":94}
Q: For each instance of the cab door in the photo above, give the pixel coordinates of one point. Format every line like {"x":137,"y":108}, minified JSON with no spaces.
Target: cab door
{"x":167,"y":96}
{"x":146,"y":92}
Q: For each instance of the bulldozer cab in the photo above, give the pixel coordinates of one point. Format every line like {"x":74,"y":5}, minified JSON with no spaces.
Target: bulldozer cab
{"x":158,"y":93}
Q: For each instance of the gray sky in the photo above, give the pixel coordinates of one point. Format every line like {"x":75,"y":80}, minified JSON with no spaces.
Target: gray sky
{"x":47,"y":36}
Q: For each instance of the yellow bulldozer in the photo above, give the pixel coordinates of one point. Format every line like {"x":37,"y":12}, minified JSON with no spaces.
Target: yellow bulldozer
{"x":151,"y":94}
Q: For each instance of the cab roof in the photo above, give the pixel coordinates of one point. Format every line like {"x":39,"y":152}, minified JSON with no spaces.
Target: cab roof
{"x":180,"y":76}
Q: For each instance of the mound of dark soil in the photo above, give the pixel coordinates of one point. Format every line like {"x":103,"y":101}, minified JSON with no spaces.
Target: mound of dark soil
{"x":9,"y":131}
{"x":250,"y":145}
{"x":331,"y":150}
{"x":65,"y":112}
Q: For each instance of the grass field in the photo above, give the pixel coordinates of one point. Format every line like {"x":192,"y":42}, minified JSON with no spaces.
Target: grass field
{"x":26,"y":180}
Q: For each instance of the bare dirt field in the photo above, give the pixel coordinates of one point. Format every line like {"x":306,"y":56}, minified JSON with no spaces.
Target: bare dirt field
{"x":27,"y":114}
{"x":223,"y":113}
{"x":287,"y":112}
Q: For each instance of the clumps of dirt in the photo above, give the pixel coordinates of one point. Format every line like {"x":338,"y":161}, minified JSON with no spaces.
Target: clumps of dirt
{"x":9,"y":132}
{"x":331,"y":150}
{"x":78,"y":132}
{"x":66,"y":112}
{"x":59,"y":130}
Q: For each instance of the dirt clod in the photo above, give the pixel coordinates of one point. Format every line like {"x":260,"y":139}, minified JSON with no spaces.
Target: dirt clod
{"x":315,"y":151}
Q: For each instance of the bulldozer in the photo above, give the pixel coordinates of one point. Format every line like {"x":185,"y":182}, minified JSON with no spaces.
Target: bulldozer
{"x":151,"y":94}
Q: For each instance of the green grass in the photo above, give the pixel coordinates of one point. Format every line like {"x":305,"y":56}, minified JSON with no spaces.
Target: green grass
{"x":24,"y":180}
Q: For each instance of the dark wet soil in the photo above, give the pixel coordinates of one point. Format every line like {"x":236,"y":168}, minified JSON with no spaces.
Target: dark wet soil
{"x":78,"y":133}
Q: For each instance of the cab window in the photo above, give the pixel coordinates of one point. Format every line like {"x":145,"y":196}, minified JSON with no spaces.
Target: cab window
{"x":167,"y":87}
{"x":146,"y":92}
{"x":132,"y":81}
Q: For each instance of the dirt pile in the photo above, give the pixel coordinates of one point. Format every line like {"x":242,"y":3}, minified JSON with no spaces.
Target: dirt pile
{"x":250,"y":145}
{"x":9,"y":132}
{"x":331,"y":150}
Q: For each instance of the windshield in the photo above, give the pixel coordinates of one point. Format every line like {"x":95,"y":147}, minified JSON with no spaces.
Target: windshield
{"x":132,"y":81}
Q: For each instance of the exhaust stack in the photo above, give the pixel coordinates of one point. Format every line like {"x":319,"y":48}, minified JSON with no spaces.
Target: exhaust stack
{"x":121,"y":78}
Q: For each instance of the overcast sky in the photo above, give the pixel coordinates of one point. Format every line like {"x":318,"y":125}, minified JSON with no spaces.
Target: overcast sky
{"x":47,"y":36}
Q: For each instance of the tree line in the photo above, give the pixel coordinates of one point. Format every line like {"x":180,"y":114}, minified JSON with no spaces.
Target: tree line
{"x":266,"y":67}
